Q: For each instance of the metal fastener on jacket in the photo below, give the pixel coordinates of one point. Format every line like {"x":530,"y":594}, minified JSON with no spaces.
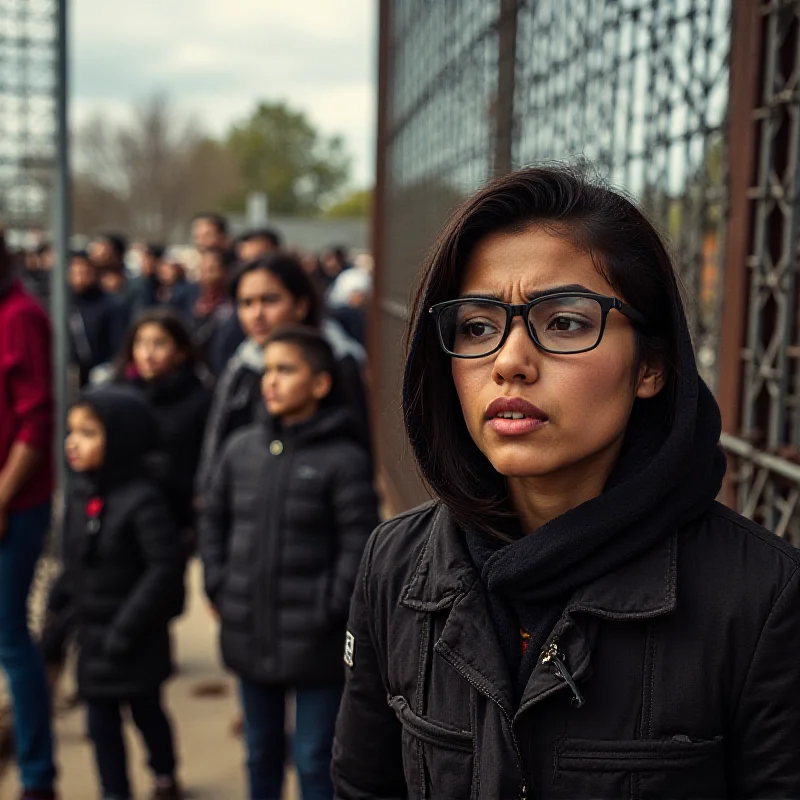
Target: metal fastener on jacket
{"x":276,"y":447}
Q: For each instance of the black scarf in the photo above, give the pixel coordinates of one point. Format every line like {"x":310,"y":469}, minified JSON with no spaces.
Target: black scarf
{"x":668,"y":474}
{"x":171,"y":387}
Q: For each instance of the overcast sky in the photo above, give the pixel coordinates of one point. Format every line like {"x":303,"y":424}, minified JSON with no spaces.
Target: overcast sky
{"x":217,"y":59}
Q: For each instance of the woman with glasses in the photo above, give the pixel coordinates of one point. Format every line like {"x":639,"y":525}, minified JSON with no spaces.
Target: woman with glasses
{"x":573,"y":615}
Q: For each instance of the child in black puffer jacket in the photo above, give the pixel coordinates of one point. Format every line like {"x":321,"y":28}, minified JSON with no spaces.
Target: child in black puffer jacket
{"x":282,"y":533}
{"x":122,"y":576}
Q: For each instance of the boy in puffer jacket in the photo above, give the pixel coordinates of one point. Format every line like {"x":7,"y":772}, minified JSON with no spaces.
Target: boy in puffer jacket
{"x":282,"y":533}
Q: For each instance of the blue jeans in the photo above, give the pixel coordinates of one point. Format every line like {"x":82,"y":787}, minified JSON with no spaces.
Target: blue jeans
{"x":264,"y":708}
{"x":20,"y":549}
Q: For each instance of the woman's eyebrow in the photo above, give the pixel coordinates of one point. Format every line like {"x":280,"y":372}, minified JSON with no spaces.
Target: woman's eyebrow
{"x":570,"y":287}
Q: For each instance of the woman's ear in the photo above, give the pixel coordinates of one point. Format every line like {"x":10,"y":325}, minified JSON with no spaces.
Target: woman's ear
{"x":652,"y":378}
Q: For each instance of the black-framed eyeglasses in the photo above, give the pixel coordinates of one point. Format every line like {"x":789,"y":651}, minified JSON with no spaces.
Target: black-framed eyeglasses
{"x":562,"y":323}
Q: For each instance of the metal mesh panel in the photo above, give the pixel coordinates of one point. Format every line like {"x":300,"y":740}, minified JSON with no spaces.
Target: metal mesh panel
{"x":638,"y":88}
{"x":767,"y":453}
{"x":439,"y":148}
{"x":27,"y":110}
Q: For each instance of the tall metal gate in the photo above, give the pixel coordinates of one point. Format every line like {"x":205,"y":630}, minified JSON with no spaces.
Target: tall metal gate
{"x":652,"y":94}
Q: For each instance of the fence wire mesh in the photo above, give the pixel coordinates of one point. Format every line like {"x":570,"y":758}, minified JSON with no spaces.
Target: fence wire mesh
{"x":639,"y":89}
{"x":27,"y":111}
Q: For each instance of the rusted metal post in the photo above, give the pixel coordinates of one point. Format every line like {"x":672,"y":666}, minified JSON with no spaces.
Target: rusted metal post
{"x":745,"y":67}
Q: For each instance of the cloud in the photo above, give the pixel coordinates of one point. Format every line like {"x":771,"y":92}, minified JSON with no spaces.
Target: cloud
{"x":217,"y":60}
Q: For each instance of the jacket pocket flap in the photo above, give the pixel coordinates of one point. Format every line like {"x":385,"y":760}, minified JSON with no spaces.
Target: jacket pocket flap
{"x":436,"y":733}
{"x":634,"y":755}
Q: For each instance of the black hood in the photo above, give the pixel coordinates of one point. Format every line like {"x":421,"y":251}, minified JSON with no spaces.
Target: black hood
{"x":669,"y":473}
{"x":131,"y":428}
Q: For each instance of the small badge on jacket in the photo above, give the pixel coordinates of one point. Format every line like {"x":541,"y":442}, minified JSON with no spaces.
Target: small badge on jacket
{"x":349,"y":649}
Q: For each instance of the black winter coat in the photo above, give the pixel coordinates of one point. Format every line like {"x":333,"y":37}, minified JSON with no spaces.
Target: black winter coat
{"x":180,"y":402}
{"x":122,"y":578}
{"x":281,"y":537}
{"x":97,"y":324}
{"x":688,"y":659}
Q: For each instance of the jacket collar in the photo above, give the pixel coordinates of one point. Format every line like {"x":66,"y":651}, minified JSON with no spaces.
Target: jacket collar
{"x":644,"y":587}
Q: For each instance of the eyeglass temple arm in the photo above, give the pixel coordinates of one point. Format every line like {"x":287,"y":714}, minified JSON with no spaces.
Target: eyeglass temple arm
{"x":630,"y":312}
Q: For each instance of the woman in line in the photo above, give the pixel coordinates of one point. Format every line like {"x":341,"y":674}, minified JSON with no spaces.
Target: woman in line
{"x":574,"y":615}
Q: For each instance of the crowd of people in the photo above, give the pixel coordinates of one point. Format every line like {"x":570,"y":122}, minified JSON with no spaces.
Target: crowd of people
{"x":220,"y":410}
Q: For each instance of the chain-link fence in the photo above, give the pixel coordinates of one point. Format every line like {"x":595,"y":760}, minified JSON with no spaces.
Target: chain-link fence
{"x":639,"y":88}
{"x":27,"y":112}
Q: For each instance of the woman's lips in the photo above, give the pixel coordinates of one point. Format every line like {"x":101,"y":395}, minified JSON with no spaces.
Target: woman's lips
{"x":515,"y":427}
{"x":529,"y":417}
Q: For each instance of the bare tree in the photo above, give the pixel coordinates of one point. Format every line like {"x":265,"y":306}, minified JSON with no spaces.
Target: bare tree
{"x":148,"y":175}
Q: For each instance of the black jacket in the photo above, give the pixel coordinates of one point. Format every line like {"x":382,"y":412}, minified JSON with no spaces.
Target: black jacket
{"x":226,"y":341}
{"x":141,"y":294}
{"x":281,"y":536}
{"x":180,"y":402}
{"x":688,"y":660}
{"x":644,"y":644}
{"x":97,"y":324}
{"x":123,"y":569}
{"x":181,"y":298}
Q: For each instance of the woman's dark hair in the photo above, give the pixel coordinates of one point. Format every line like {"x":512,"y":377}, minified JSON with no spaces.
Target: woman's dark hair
{"x":155,"y":250}
{"x":217,"y":220}
{"x":269,"y":234}
{"x":119,"y":244}
{"x":225,"y":256}
{"x":289,"y":271}
{"x":626,"y":249}
{"x":171,"y":322}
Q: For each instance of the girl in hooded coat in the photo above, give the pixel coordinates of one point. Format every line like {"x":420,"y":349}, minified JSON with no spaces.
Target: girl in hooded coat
{"x":122,"y":575}
{"x":574,"y":616}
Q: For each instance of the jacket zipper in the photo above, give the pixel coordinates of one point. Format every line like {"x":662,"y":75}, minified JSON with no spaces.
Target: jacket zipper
{"x":484,"y":690}
{"x":552,"y":655}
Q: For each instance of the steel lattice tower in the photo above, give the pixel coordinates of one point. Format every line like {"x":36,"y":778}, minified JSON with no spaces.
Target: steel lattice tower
{"x":28,"y":41}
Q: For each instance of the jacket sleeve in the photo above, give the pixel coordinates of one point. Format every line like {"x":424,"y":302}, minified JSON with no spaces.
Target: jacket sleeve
{"x":355,"y":509}
{"x":214,"y":435}
{"x":367,"y":749}
{"x":764,"y":751}
{"x":213,"y":528}
{"x":154,"y":596}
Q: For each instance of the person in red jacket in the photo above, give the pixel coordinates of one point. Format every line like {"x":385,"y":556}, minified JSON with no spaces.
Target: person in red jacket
{"x":26,"y":486}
